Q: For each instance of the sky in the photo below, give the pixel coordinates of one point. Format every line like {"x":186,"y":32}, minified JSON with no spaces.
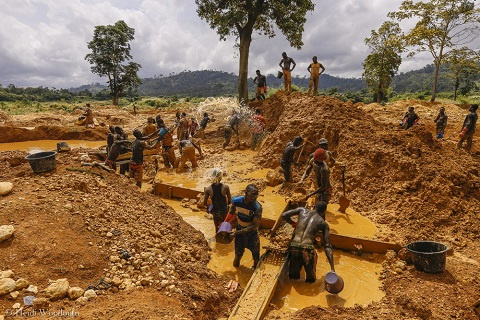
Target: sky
{"x":44,"y":42}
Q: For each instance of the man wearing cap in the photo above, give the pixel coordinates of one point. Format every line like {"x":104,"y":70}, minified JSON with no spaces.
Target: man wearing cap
{"x":287,"y":157}
{"x":314,"y":69}
{"x":285,"y":64}
{"x":329,"y":159}
{"x":248,"y":213}
{"x":441,"y":122}
{"x":322,"y":175}
{"x":468,"y":128}
{"x":410,"y":118}
{"x":302,"y":251}
{"x":221,"y":198}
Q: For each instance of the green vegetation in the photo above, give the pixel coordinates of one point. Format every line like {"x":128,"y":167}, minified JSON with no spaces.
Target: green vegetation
{"x":110,"y":50}
{"x":241,"y":18}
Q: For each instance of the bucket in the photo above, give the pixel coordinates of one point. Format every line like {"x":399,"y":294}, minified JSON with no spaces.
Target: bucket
{"x":428,"y":256}
{"x":42,"y":161}
{"x":333,"y":282}
{"x":223,"y":233}
{"x":279,"y":74}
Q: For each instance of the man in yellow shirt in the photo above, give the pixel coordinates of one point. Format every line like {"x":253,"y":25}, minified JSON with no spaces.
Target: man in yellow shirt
{"x":314,"y":69}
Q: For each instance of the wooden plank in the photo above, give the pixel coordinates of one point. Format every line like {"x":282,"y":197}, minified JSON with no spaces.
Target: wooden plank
{"x":175,"y":192}
{"x":339,"y":241}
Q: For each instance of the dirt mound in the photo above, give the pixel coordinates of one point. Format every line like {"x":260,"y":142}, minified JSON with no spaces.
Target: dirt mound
{"x":16,"y":134}
{"x":92,"y":225}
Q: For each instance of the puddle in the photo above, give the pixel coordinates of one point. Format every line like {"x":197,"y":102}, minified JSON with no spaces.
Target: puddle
{"x":350,"y":223}
{"x":45,"y":145}
{"x":362,"y":285}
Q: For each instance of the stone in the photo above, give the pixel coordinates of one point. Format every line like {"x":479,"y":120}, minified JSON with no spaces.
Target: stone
{"x":16,"y":306}
{"x":5,"y":188}
{"x":90,"y":294}
{"x":32,"y":289}
{"x":6,"y":274}
{"x":6,"y":231}
{"x":274,"y":178}
{"x":57,"y":290}
{"x":14,"y":295}
{"x":7,"y":285}
{"x":40,"y":303}
{"x":82,"y":301}
{"x":21,"y":284}
{"x":75,"y":292}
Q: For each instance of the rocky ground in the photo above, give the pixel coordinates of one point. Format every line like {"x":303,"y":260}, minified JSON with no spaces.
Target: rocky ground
{"x":91,"y":226}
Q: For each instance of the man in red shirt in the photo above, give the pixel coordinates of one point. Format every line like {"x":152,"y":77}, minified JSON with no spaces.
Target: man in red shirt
{"x":258,"y":128}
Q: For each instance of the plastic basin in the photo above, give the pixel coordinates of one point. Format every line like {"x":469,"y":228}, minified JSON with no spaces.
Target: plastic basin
{"x":223,"y":234}
{"x":333,"y":283}
{"x":428,"y":256}
{"x":42,"y":161}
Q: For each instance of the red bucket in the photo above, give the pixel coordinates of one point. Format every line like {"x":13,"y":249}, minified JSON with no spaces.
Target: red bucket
{"x":223,"y":233}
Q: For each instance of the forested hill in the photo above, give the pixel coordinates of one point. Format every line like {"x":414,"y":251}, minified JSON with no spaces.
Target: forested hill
{"x":211,"y":83}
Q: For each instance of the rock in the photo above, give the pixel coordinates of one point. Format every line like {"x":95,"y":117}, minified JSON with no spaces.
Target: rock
{"x":21,"y":284}
{"x":5,"y":188}
{"x":40,"y":303}
{"x":75,"y":292}
{"x":7,"y":285}
{"x":16,"y":306}
{"x":82,"y":301}
{"x":274,"y":178}
{"x":116,"y":281}
{"x":57,"y":290}
{"x":90,"y":294}
{"x":6,"y":231}
{"x":32,"y":289}
{"x":14,"y":295}
{"x":6,"y":274}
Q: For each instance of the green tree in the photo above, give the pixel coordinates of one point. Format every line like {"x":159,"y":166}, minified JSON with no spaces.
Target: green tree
{"x":240,"y":18}
{"x":463,"y":67}
{"x":382,"y":64}
{"x":110,"y":51}
{"x":442,"y":24}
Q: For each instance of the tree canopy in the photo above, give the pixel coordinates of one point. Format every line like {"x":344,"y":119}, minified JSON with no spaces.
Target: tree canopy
{"x":240,"y":18}
{"x":110,"y":52}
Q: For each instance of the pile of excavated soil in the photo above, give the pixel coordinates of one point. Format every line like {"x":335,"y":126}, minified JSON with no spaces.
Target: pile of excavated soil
{"x":413,"y":186}
{"x":88,"y":226}
{"x":47,"y":132}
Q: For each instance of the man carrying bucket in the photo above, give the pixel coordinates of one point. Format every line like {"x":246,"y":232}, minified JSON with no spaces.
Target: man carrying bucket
{"x":302,"y":252}
{"x":248,"y":213}
{"x":221,"y":198}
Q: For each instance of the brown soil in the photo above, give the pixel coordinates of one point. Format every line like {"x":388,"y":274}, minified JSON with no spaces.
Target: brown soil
{"x":72,"y":225}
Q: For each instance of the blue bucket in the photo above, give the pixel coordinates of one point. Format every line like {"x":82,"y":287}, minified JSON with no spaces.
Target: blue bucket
{"x":333,"y":283}
{"x":223,"y":233}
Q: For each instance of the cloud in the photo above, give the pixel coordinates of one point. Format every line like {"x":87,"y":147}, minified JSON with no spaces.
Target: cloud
{"x":44,"y":42}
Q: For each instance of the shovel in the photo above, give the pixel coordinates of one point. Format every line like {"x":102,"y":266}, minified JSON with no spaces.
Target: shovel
{"x":343,"y":201}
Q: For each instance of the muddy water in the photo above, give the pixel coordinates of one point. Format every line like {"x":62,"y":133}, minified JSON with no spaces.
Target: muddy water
{"x":360,"y":276}
{"x":46,"y":145}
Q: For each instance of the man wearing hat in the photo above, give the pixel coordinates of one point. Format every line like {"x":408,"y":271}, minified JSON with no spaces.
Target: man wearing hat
{"x":468,"y":128}
{"x":221,"y":198}
{"x":329,"y":159}
{"x":322,"y":175}
{"x":302,"y":251}
{"x":441,"y":122}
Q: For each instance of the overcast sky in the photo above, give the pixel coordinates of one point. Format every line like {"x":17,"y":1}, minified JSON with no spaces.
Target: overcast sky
{"x":44,"y":42}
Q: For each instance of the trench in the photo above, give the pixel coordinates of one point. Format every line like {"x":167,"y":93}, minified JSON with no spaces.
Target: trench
{"x":46,"y":145}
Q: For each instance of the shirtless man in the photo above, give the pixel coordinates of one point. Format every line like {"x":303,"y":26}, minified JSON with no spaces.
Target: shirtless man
{"x":302,"y":251}
{"x":150,"y":127}
{"x":468,"y":128}
{"x":221,"y":198}
{"x":314,"y":69}
{"x":322,"y":176}
{"x":184,"y":127}
{"x":136,"y":162}
{"x":287,"y":72}
{"x":261,"y":82}
{"x":118,"y":147}
{"x":287,"y":157}
{"x":187,"y":151}
{"x":231,"y":126}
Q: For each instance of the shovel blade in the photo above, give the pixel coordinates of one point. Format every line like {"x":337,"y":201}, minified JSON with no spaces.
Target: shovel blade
{"x":344,"y":204}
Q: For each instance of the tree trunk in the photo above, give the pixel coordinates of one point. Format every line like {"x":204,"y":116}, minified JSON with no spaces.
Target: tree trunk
{"x":457,"y":84}
{"x":245,"y":40}
{"x":435,"y":81}
{"x":115,"y":100}
{"x":379,"y":93}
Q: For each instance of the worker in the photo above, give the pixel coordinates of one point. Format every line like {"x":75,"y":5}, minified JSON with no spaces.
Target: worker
{"x":165,"y":138}
{"x":122,"y":135}
{"x":116,"y":149}
{"x":285,"y":64}
{"x":302,"y":251}
{"x":261,"y":82}
{"x":87,"y":118}
{"x":258,"y":128}
{"x":248,"y":213}
{"x":193,"y":126}
{"x":287,"y":157}
{"x":177,"y":123}
{"x":203,"y":125}
{"x":220,"y":195}
{"x":410,"y":119}
{"x":230,"y":127}
{"x":150,"y":127}
{"x":468,"y":128}
{"x":329,"y":159}
{"x":110,"y":138}
{"x":184,"y":127}
{"x":314,"y":69}
{"x":441,"y":122}
{"x":136,"y":162}
{"x":187,"y":151}
{"x":322,"y":175}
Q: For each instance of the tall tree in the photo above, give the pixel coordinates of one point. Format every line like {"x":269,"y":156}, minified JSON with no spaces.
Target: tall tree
{"x":463,"y":66}
{"x":110,"y":51}
{"x":442,"y":24}
{"x":382,"y":64}
{"x":240,"y":18}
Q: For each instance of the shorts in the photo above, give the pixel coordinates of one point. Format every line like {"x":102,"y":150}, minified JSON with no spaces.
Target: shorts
{"x":136,"y":171}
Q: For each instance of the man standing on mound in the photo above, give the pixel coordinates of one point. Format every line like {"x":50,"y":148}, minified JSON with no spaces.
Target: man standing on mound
{"x":285,"y":64}
{"x":314,"y":69}
{"x":468,"y":128}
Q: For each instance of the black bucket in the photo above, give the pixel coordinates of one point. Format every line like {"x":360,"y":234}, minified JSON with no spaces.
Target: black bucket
{"x":42,"y":161}
{"x":428,"y":256}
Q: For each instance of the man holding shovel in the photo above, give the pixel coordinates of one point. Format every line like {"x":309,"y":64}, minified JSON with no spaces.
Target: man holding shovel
{"x":287,"y":157}
{"x":322,"y":176}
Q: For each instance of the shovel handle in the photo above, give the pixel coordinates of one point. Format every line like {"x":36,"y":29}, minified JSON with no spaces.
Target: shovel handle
{"x":343,"y":180}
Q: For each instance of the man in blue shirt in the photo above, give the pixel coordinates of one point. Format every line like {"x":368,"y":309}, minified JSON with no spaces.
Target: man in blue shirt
{"x":248,"y":212}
